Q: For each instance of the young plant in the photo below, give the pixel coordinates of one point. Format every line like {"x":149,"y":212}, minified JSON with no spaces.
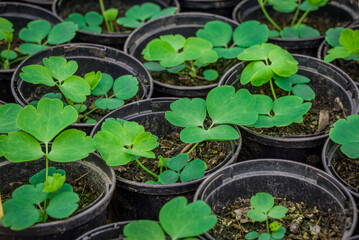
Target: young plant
{"x":91,"y":22}
{"x":176,"y":54}
{"x":48,"y":194}
{"x":119,"y":143}
{"x":177,"y":219}
{"x":59,"y":72}
{"x":297,"y":29}
{"x":263,"y":209}
{"x":268,"y":62}
{"x":344,"y":43}
{"x":6,"y":35}
{"x":346,"y":133}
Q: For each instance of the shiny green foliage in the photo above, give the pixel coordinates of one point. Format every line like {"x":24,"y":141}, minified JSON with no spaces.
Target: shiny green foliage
{"x":91,"y":22}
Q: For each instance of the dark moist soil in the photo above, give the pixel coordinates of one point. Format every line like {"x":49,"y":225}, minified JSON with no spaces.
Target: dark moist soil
{"x":15,"y":47}
{"x":301,"y":222}
{"x":222,"y":66}
{"x":310,"y":124}
{"x":211,"y":152}
{"x":349,"y":67}
{"x":347,"y":169}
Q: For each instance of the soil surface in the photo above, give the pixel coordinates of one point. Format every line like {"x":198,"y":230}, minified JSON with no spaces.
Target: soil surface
{"x":301,"y":222}
{"x":349,"y":67}
{"x":211,"y":152}
{"x":15,"y":47}
{"x":348,"y":169}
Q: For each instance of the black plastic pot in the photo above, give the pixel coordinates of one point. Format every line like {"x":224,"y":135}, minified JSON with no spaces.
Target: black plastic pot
{"x":41,"y":3}
{"x":330,"y":150}
{"x":185,"y":24}
{"x":90,"y":57}
{"x":354,"y":238}
{"x":323,"y":49}
{"x":220,"y":7}
{"x":19,"y":14}
{"x":326,"y":80}
{"x":63,"y":8}
{"x":96,"y":173}
{"x":133,"y":200}
{"x":282,"y":178}
{"x":250,"y":10}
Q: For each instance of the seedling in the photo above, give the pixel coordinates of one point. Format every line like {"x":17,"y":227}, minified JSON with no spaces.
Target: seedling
{"x":178,"y":220}
{"x":345,"y":43}
{"x":8,"y":56}
{"x":59,"y":72}
{"x":120,"y":143}
{"x":91,"y":22}
{"x":176,"y":54}
{"x":221,"y":35}
{"x":297,"y":29}
{"x":268,"y":62}
{"x":263,"y":209}
{"x":346,"y":133}
{"x":48,"y":194}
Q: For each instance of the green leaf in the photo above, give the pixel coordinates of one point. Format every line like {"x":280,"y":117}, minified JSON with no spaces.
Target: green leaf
{"x":176,"y":41}
{"x":168,"y":177}
{"x":19,"y":215}
{"x":273,"y":33}
{"x":125,"y":87}
{"x":30,"y":193}
{"x":93,"y":29}
{"x":250,"y":33}
{"x":284,"y":6}
{"x":345,"y":132}
{"x":75,"y":88}
{"x":143,"y":230}
{"x":63,"y":205}
{"x":165,"y":12}
{"x":307,"y":32}
{"x":349,"y":38}
{"x":210,"y":74}
{"x":286,"y":83}
{"x":262,"y":202}
{"x":176,"y":69}
{"x":93,"y":18}
{"x":317,"y":3}
{"x":226,"y":106}
{"x":304,"y":91}
{"x":264,"y":236}
{"x":11,"y":53}
{"x":162,"y":51}
{"x":78,"y":19}
{"x":178,"y":162}
{"x":37,"y":74}
{"x":59,"y":68}
{"x":283,"y":63}
{"x":93,"y":79}
{"x":193,"y":170}
{"x":274,"y":226}
{"x":129,"y":22}
{"x":332,"y":36}
{"x":219,"y":133}
{"x":71,"y":145}
{"x":5,"y":25}
{"x":30,"y":147}
{"x":252,"y":235}
{"x":289,"y":33}
{"x":154,"y":66}
{"x":52,"y":95}
{"x":228,"y":53}
{"x":54,"y":183}
{"x":263,"y":104}
{"x":31,"y":48}
{"x":109,"y":103}
{"x":80,"y":108}
{"x":279,"y":234}
{"x":8,"y":115}
{"x":257,"y":215}
{"x":50,"y":115}
{"x":104,"y":85}
{"x":40,"y":177}
{"x":91,"y":121}
{"x":36,"y":31}
{"x":337,"y":52}
{"x":257,"y":73}
{"x":143,"y":12}
{"x":180,"y":220}
{"x":111,"y":14}
{"x":187,"y":112}
{"x":217,"y":32}
{"x":278,"y":212}
{"x":62,"y":33}
{"x":257,"y":52}
{"x":142,"y":145}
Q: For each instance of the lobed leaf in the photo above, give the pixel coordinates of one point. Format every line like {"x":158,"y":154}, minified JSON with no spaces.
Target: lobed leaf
{"x":109,"y":103}
{"x":75,"y":88}
{"x":349,"y":38}
{"x":257,"y":52}
{"x":178,"y":162}
{"x":31,"y":48}
{"x":54,"y":183}
{"x":5,"y":25}
{"x":59,"y":68}
{"x":36,"y":31}
{"x":62,"y":33}
{"x":63,"y":205}
{"x":168,"y":177}
{"x":337,"y":52}
{"x":129,"y":22}
{"x":219,"y":133}
{"x":283,"y":63}
{"x":143,"y":12}
{"x":252,"y":235}
{"x":30,"y":193}
{"x":165,"y":12}
{"x":285,"y":6}
{"x":257,"y":73}
{"x":262,"y":202}
{"x":257,"y":215}
{"x":143,"y":230}
{"x":278,"y":212}
{"x":8,"y":115}
{"x":332,"y":36}
{"x":217,"y":32}
{"x":111,"y":14}
{"x":125,"y":87}
{"x":40,"y":177}
{"x":78,"y":19}
{"x":104,"y":85}
{"x":37,"y":74}
{"x":250,"y":33}
{"x":193,"y":170}
{"x":228,"y":53}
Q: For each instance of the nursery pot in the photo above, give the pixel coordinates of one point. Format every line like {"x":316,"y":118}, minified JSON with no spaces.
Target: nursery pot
{"x":220,"y":7}
{"x":63,"y":8}
{"x":41,"y":3}
{"x":327,"y":81}
{"x":281,"y":178}
{"x":107,"y":232}
{"x":329,"y":154}
{"x":134,"y":200}
{"x":20,"y":14}
{"x":337,"y":12}
{"x":185,"y":24}
{"x":95,"y":173}
{"x":89,"y":57}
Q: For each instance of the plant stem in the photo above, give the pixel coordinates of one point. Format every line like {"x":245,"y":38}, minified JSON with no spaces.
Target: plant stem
{"x":103,"y":14}
{"x":261,"y":3}
{"x":18,"y":59}
{"x":189,"y":152}
{"x":272,"y":88}
{"x":302,"y":18}
{"x":95,"y":108}
{"x":144,"y":168}
{"x":8,"y":51}
{"x":267,"y":226}
{"x":296,"y":13}
{"x":1,"y":209}
{"x":47,"y":160}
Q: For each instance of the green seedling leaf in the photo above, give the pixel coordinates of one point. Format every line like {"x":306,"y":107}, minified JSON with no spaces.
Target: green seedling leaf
{"x":5,"y":53}
{"x":306,"y":6}
{"x":225,"y":106}
{"x":304,"y":91}
{"x":125,"y":87}
{"x":279,"y":234}
{"x":93,"y":79}
{"x":252,"y":235}
{"x":154,"y":66}
{"x":63,"y":205}
{"x":283,"y":63}
{"x":54,"y":183}
{"x":180,"y":220}
{"x":193,"y":170}
{"x":78,"y":19}
{"x":93,"y":19}
{"x":178,"y":162}
{"x":111,"y":14}
{"x":129,"y":22}
{"x":36,"y":31}
{"x":104,"y":85}
{"x":210,"y":74}
{"x":91,"y":121}
{"x":302,"y":31}
{"x":286,"y":83}
{"x":349,"y":38}
{"x":228,"y":53}
{"x":263,"y":104}
{"x":109,"y":103}
{"x":250,"y":33}
{"x":332,"y":36}
{"x":52,"y":95}
{"x":264,"y":236}
{"x":50,"y":115}
{"x":219,"y":133}
{"x":168,"y":177}
{"x":135,"y":231}
{"x":176,"y":69}
{"x":273,"y":33}
{"x":75,"y":88}
{"x":71,"y":145}
{"x":176,"y":41}
{"x":37,"y":74}
{"x":262,"y":202}
{"x":285,"y":6}
{"x":143,"y":12}
{"x":337,"y":52}
{"x":217,"y":32}
{"x":90,"y":22}
{"x":317,"y":3}
{"x":345,"y":132}
{"x":5,"y":25}
{"x":30,"y":193}
{"x":62,"y":33}
{"x":257,"y":73}
{"x":257,"y":52}
{"x":257,"y":215}
{"x":165,"y":12}
{"x":31,"y":48}
{"x":59,"y":68}
{"x":142,"y":145}
{"x":8,"y":115}
{"x":40,"y":177}
{"x":274,"y":226}
{"x":277,"y":212}
{"x":80,"y":108}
